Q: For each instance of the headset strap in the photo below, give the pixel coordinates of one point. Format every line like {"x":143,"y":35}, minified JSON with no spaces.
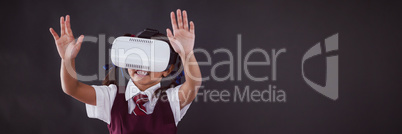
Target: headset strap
{"x":147,"y":33}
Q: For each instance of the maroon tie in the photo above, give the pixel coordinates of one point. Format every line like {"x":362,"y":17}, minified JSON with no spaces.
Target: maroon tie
{"x":139,"y":101}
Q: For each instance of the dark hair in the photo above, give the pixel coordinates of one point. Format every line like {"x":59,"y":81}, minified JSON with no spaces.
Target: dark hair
{"x":111,"y":77}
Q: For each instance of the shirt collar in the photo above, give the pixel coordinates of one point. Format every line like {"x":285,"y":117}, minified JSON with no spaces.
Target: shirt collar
{"x":132,"y":90}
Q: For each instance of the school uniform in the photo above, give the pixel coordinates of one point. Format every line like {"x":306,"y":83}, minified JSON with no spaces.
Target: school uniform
{"x":117,"y":110}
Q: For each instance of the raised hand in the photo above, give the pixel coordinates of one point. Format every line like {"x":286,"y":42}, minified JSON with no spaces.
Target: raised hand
{"x":182,"y":38}
{"x":67,"y":47}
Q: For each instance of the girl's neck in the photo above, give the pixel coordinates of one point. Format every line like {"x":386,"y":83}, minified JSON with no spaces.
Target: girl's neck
{"x":144,"y":87}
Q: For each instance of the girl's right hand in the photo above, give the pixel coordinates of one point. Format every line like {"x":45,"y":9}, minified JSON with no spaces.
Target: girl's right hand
{"x":66,"y":45}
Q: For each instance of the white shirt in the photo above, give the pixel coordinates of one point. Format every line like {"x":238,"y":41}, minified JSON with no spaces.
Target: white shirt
{"x":105,"y":96}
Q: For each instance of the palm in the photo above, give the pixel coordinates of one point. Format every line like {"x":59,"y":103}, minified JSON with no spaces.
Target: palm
{"x":65,"y":43}
{"x":67,"y":47}
{"x":183,"y":36}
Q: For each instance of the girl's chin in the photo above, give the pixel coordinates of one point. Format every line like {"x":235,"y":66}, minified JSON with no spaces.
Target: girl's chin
{"x":138,"y":77}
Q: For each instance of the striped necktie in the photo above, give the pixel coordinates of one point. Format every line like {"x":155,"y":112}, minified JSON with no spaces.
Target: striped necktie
{"x":139,"y":101}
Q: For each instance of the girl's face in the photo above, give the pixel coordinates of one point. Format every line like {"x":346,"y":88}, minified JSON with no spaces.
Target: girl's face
{"x":147,"y":77}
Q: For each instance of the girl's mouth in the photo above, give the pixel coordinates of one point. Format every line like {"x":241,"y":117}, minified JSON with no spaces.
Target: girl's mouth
{"x":141,"y":73}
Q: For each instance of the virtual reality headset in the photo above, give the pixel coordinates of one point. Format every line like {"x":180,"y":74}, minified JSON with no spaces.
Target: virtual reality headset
{"x":142,"y":52}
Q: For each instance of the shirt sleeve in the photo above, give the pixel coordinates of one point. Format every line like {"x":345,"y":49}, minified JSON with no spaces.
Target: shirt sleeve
{"x":173,"y":96}
{"x":104,"y":101}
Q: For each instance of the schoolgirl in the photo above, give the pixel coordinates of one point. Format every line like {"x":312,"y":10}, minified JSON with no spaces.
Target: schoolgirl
{"x":145,"y":107}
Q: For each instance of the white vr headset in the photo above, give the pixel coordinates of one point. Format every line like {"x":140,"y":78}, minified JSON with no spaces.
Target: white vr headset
{"x":143,"y":53}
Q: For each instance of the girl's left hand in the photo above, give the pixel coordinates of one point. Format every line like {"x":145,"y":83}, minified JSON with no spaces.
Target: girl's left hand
{"x":183,"y":37}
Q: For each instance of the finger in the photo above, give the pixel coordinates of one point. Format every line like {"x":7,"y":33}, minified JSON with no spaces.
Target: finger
{"x":62,"y":26}
{"x":173,"y":20}
{"x":192,"y":29}
{"x":169,"y":33}
{"x":170,"y":36}
{"x":55,"y":36}
{"x":185,"y":21}
{"x":179,"y":19}
{"x":76,"y":48}
{"x":79,"y":42}
{"x":68,"y":26}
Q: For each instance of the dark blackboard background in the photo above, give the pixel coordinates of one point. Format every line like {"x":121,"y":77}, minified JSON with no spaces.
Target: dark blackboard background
{"x":31,"y":99}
